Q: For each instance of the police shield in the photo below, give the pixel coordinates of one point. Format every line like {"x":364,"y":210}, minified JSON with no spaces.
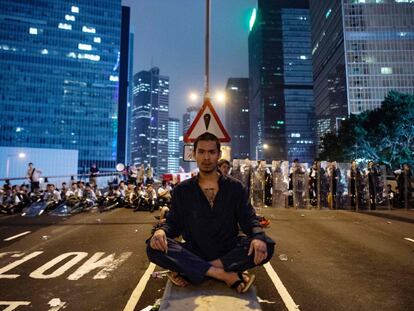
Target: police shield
{"x":258,"y":184}
{"x":280,"y":183}
{"x":299,"y":183}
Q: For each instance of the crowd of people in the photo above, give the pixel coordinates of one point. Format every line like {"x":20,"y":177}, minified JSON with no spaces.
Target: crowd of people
{"x":138,"y":192}
{"x":319,"y":186}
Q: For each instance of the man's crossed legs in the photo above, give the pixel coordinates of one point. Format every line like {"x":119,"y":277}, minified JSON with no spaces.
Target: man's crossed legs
{"x":189,"y":266}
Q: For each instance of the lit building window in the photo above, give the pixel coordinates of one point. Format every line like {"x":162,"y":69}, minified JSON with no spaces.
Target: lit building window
{"x":97,"y":39}
{"x":93,"y":57}
{"x":33,"y":31}
{"x":86,"y":47}
{"x":71,"y":54}
{"x":65,"y":26}
{"x":70,"y":17}
{"x":88,"y":29}
{"x":386,"y":70}
{"x":75,"y":9}
{"x":44,"y":51}
{"x":303,"y":57}
{"x":113,"y":78}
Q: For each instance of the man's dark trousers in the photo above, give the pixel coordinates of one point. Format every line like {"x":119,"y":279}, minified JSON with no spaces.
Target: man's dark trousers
{"x":182,"y":260}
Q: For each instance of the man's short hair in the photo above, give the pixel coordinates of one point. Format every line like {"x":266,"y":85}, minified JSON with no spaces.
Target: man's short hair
{"x":30,"y":163}
{"x":207,"y":137}
{"x":223,"y":161}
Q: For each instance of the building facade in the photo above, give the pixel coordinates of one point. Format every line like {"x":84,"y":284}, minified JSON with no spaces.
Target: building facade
{"x":280,"y":70}
{"x":174,"y":145}
{"x":188,"y":118}
{"x":237,"y":117}
{"x":150,"y":120}
{"x":61,"y":86}
{"x":362,"y":49}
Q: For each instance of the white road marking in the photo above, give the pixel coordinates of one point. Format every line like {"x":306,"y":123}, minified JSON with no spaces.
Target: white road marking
{"x":287,"y":299}
{"x":408,"y":239}
{"x":17,"y":235}
{"x":12,"y":305}
{"x":15,"y":264}
{"x":136,"y":294}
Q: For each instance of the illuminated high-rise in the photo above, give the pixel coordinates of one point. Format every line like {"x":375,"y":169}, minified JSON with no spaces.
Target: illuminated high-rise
{"x":174,"y":150}
{"x":237,"y":117}
{"x":59,"y":64}
{"x":281,"y":87}
{"x":361,"y":49}
{"x":149,"y":137}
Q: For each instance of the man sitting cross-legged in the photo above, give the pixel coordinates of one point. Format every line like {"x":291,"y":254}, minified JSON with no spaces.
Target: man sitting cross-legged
{"x":208,"y":210}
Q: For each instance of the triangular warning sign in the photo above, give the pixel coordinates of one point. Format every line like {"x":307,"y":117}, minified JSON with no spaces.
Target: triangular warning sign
{"x":206,"y":120}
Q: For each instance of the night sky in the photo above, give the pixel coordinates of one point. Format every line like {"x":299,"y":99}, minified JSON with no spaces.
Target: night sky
{"x":169,"y":34}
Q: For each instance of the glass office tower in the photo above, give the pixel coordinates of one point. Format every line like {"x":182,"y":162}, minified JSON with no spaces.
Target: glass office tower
{"x":59,"y":71}
{"x":174,"y":150}
{"x":237,"y":116}
{"x":362,"y":49}
{"x":280,"y":71}
{"x":150,"y":120}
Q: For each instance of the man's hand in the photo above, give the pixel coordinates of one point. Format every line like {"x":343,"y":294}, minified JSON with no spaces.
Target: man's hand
{"x":260,"y":250}
{"x":159,"y":241}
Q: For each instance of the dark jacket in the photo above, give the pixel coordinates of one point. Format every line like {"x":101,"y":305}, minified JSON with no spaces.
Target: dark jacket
{"x":212,"y":232}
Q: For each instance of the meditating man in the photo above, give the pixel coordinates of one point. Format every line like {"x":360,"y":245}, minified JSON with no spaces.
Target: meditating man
{"x":208,"y":211}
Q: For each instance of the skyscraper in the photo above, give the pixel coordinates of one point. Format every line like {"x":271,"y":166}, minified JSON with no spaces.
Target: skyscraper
{"x":150,"y":120}
{"x":61,"y":86}
{"x":237,"y":116}
{"x":173,"y":145}
{"x":124,"y":70}
{"x":280,"y":69}
{"x":188,"y":118}
{"x":362,"y":49}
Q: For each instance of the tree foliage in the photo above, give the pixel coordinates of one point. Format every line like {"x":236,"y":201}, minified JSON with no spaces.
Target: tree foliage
{"x":384,"y":135}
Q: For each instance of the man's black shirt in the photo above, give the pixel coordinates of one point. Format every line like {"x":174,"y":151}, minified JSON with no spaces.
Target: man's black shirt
{"x":211,"y":232}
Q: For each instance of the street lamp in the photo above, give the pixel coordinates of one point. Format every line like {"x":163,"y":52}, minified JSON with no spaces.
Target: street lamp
{"x":264,"y":146}
{"x":193,"y":97}
{"x":21,"y":155}
{"x":220,"y":97}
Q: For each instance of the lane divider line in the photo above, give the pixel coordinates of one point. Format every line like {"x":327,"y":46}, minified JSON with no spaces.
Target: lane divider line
{"x":408,"y":239}
{"x":284,"y":294}
{"x":17,"y":235}
{"x":136,"y":294}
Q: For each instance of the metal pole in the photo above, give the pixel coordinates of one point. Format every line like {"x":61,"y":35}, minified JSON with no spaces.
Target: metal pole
{"x":207,"y":51}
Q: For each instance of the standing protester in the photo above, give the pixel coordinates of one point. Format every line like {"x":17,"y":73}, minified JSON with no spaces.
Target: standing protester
{"x":132,"y":174}
{"x":94,"y":172}
{"x":149,"y":174}
{"x":208,"y":210}
{"x":33,"y":176}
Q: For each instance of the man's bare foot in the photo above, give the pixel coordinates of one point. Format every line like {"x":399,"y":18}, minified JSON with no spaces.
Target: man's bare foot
{"x":231,"y":278}
{"x":176,"y":279}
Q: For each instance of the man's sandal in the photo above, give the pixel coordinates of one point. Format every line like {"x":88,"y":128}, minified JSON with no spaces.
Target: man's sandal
{"x":172,"y":277}
{"x":247,"y":284}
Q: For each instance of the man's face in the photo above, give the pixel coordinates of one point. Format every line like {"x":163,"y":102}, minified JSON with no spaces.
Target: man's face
{"x":207,"y":156}
{"x":225,"y":168}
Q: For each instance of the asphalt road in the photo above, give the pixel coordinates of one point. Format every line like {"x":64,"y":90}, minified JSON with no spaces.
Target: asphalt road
{"x":336,"y":260}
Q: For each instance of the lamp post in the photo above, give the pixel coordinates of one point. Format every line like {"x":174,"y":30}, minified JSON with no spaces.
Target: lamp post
{"x":264,"y":146}
{"x":21,"y":155}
